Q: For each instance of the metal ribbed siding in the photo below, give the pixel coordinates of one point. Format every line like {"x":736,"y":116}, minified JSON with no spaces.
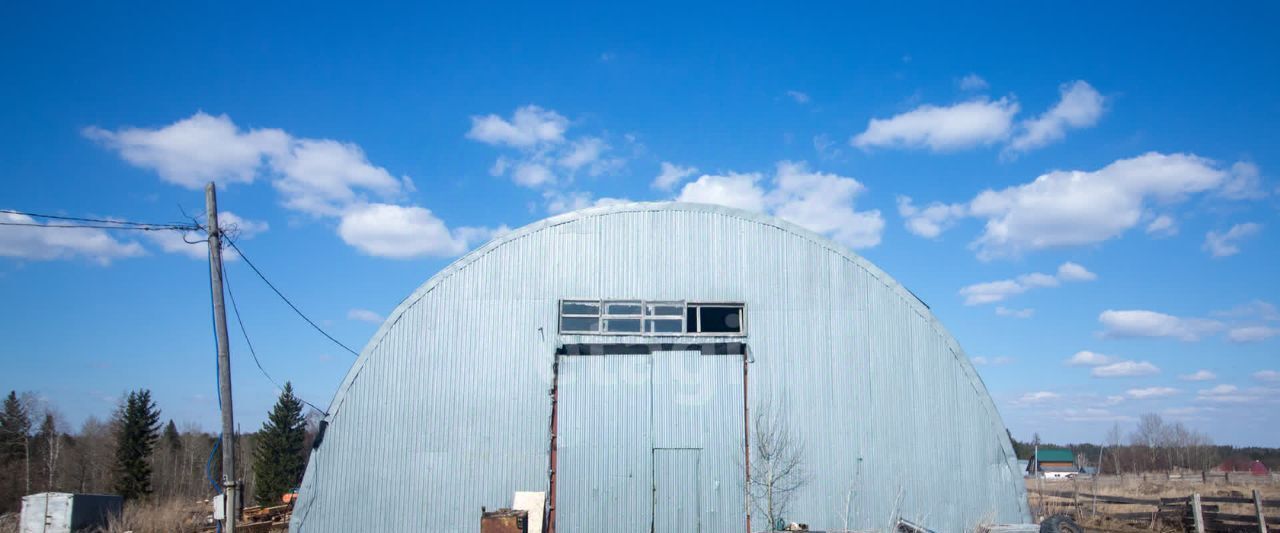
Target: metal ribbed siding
{"x":447,"y":408}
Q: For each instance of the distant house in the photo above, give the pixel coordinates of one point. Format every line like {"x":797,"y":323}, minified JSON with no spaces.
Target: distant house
{"x":1053,"y":464}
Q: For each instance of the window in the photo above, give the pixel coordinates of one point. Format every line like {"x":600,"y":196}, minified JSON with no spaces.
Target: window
{"x":714,"y":318}
{"x":640,"y":317}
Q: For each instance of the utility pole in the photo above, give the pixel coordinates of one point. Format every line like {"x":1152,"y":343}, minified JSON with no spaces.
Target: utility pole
{"x":230,"y":502}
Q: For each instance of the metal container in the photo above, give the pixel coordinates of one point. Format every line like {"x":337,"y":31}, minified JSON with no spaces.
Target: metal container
{"x":64,"y":512}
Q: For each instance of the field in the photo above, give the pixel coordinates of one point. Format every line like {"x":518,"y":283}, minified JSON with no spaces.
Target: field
{"x":1049,"y":497}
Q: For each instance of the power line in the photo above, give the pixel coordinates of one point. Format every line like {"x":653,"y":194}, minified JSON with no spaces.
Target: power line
{"x":286,"y":300}
{"x":103,"y":223}
{"x":92,"y":226}
{"x":236,"y":309}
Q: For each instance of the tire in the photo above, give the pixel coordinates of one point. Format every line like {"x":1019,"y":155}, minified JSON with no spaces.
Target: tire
{"x":1060,"y":523}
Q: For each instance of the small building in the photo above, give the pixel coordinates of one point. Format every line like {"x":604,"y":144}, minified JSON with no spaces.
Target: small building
{"x":1053,"y":464}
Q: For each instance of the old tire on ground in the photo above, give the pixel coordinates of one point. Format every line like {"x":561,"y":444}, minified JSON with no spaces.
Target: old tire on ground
{"x":1060,"y":523}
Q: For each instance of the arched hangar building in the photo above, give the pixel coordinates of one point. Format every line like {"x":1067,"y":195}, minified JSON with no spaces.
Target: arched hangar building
{"x":612,"y":358}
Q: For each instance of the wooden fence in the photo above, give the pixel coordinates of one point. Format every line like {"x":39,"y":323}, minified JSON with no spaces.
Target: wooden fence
{"x":1195,"y":513}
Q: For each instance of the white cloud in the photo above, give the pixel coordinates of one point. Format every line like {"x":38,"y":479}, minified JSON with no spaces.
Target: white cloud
{"x":1228,"y":243}
{"x":1162,"y":226}
{"x":563,"y":202}
{"x":529,"y":126}
{"x":1252,"y":333}
{"x":544,"y":156}
{"x":1037,"y":397}
{"x":963,"y":125}
{"x":1255,"y":310}
{"x":991,"y":361}
{"x":732,"y":190}
{"x":401,"y":232}
{"x":1266,"y":375}
{"x":996,"y":291}
{"x":364,"y":315}
{"x":1080,"y":106}
{"x":671,"y":175}
{"x":826,"y":147}
{"x":532,"y":175}
{"x":176,"y":242}
{"x":821,"y":202}
{"x":40,"y":244}
{"x":1072,"y":208}
{"x":1088,"y":358}
{"x":972,"y":82}
{"x":1125,"y":369}
{"x":824,"y":203}
{"x":1074,"y":272}
{"x":1091,"y":414}
{"x":799,"y":97}
{"x":585,"y":151}
{"x":1232,"y":394}
{"x":196,"y":150}
{"x":1199,"y":375}
{"x":1142,"y":323}
{"x":1151,"y":392}
{"x":314,"y":176}
{"x":1245,"y":183}
{"x":1015,"y":313}
{"x":931,"y":220}
{"x":322,"y":176}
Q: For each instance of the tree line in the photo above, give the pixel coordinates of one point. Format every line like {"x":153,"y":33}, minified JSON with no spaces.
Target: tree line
{"x":135,"y":455}
{"x":1155,"y":445}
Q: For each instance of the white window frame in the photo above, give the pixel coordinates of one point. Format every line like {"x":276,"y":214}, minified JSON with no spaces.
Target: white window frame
{"x":603,"y":315}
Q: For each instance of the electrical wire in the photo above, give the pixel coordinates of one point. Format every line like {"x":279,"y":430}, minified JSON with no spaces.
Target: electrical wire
{"x":93,"y":226}
{"x":236,"y":309}
{"x":286,"y":300}
{"x":101,"y":223}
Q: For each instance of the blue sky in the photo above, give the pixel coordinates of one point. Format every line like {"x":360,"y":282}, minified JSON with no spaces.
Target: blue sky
{"x":1086,"y":197}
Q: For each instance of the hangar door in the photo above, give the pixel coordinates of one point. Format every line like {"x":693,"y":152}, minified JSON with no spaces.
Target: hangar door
{"x":650,"y":442}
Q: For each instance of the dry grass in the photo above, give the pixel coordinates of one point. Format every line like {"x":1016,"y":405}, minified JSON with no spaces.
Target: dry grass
{"x":1136,"y":487}
{"x":160,"y":517}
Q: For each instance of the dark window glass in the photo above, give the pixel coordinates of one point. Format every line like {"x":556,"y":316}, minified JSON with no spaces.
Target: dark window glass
{"x":720,"y":319}
{"x":622,"y":325}
{"x":579,"y":308}
{"x":691,"y":320}
{"x":573,"y":324}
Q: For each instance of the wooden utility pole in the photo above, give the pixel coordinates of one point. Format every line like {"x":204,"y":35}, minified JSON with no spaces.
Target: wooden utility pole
{"x":230,"y":486}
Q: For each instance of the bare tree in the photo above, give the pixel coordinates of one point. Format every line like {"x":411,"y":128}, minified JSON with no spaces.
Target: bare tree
{"x":1113,"y":442}
{"x":777,"y":464}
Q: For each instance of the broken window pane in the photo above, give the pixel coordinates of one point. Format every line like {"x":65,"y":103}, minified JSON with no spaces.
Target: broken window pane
{"x":622,"y":308}
{"x":579,"y":308}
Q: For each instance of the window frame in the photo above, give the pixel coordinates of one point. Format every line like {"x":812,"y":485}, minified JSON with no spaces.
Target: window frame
{"x":644,"y":318}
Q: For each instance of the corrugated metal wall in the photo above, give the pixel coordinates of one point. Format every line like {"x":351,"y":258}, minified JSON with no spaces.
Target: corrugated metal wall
{"x":447,"y":409}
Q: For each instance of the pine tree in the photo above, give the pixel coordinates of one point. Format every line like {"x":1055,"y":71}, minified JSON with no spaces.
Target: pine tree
{"x":278,"y":457}
{"x":15,"y":430}
{"x":136,"y":436}
{"x":172,"y":441}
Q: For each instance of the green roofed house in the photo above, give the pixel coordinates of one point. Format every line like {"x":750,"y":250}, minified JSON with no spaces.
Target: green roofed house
{"x":1053,"y":463}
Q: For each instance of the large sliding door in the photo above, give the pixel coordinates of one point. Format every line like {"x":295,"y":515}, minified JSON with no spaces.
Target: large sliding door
{"x":650,"y":443}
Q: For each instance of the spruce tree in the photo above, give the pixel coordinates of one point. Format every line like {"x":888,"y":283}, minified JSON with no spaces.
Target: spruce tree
{"x":172,"y":441}
{"x":136,"y":436}
{"x":15,"y":429}
{"x":278,"y":456}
